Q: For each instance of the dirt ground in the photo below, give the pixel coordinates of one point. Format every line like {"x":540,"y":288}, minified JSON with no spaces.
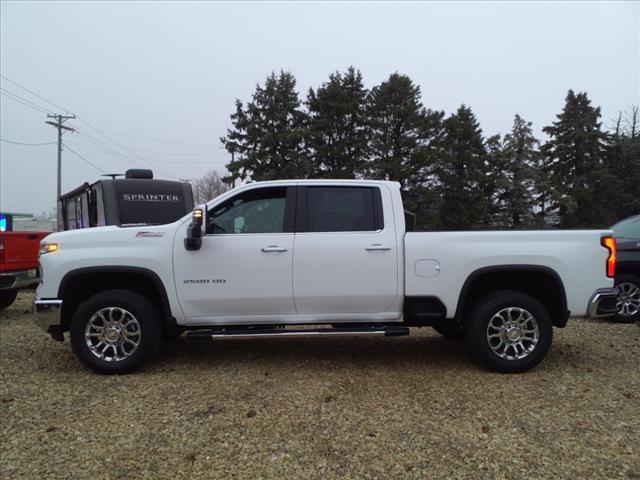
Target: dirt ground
{"x":344,"y":407}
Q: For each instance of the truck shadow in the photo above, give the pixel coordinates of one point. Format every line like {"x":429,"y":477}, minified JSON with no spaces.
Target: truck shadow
{"x":361,"y":351}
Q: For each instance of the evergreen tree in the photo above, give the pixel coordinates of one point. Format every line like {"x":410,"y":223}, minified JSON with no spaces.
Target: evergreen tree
{"x":575,"y":161}
{"x":461,"y":172}
{"x":337,"y":136}
{"x":623,"y":161}
{"x":517,"y":177}
{"x":403,"y":132}
{"x":494,"y":183}
{"x":266,"y":140}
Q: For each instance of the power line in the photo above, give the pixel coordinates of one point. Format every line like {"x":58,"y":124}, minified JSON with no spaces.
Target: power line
{"x":103,"y":147}
{"x":15,"y":95}
{"x":161,"y":141}
{"x":142,"y":159}
{"x":34,"y":94}
{"x":103,"y":132}
{"x":24,"y":103}
{"x":82,"y":158}
{"x":27,"y":144}
{"x":180,"y":162}
{"x":178,"y":154}
{"x":108,"y":149}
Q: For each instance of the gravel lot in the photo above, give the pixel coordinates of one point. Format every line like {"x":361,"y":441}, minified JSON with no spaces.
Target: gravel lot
{"x":407,"y":407}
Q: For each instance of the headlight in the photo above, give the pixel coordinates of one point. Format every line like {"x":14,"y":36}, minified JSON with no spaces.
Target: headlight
{"x":48,"y":248}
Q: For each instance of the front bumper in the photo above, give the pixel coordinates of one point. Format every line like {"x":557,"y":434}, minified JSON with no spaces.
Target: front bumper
{"x":47,"y":316}
{"x":19,"y":278}
{"x":603,"y":303}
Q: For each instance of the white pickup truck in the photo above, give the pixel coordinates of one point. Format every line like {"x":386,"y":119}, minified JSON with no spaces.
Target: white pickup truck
{"x":317,"y":257}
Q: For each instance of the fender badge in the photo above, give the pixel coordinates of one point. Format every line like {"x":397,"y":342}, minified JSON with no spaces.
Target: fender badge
{"x":143,"y":234}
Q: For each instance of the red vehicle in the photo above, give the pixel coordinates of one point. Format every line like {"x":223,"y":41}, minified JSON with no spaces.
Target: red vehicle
{"x":18,"y":263}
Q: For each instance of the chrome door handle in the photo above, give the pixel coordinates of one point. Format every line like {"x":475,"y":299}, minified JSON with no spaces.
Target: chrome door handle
{"x":377,"y":246}
{"x":273,"y":248}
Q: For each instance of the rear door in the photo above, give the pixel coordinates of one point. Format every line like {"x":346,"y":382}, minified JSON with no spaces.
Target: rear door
{"x":345,"y":255}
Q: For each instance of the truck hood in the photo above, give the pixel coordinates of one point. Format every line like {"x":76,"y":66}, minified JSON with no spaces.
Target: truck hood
{"x":110,"y":234}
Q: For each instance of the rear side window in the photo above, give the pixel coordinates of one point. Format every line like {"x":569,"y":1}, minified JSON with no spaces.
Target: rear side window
{"x":343,"y":209}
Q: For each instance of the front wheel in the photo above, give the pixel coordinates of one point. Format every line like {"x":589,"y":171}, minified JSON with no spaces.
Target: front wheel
{"x":115,"y":331}
{"x":509,"y":331}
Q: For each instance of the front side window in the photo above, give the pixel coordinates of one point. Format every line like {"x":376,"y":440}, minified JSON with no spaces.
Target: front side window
{"x":343,"y":209}
{"x":256,"y":211}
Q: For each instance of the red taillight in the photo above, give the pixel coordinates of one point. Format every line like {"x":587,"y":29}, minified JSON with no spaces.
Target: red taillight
{"x":610,"y":244}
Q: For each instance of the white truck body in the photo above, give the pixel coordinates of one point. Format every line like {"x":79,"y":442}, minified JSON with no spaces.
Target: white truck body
{"x":320,"y":277}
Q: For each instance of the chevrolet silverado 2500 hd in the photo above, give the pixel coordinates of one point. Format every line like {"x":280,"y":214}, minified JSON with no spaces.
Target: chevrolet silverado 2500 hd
{"x":331,"y":257}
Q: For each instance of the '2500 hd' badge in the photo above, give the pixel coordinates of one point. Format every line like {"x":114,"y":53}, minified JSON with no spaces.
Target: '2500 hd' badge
{"x":200,"y":281}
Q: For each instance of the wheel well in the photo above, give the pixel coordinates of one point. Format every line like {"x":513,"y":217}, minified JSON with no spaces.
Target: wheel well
{"x":79,"y":285}
{"x":541,"y":283}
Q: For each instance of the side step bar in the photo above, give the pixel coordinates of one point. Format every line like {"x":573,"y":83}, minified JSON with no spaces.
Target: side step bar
{"x":282,"y":332}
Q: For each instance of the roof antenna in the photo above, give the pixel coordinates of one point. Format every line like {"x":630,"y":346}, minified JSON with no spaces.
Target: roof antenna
{"x":113,"y":175}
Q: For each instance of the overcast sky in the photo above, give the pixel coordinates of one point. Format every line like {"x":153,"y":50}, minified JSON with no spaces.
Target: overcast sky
{"x":172,"y":71}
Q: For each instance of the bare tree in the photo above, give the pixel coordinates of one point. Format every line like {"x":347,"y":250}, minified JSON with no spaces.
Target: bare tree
{"x":209,"y":186}
{"x":632,"y":121}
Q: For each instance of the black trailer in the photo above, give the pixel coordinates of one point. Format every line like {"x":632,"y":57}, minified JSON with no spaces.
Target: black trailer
{"x":137,"y":199}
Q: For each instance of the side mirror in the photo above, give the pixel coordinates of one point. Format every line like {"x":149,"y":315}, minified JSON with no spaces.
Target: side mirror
{"x":194,"y":230}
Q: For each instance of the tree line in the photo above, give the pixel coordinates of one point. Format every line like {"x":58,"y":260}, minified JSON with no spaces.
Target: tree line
{"x":451,"y":175}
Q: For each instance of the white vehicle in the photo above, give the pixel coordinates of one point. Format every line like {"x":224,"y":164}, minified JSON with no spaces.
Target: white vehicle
{"x":317,"y":253}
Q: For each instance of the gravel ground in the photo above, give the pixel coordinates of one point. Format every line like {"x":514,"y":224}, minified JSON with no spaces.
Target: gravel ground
{"x":406,"y":407}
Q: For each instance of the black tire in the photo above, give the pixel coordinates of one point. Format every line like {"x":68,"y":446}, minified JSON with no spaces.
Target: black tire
{"x":627,"y":280}
{"x":450,"y":329}
{"x":142,"y":311}
{"x":477,"y":336}
{"x":7,"y":297}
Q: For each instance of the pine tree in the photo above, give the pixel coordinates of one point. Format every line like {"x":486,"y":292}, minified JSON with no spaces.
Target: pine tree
{"x":337,"y":136}
{"x":575,"y":161}
{"x":517,"y":177}
{"x":462,"y":173}
{"x":266,"y":140}
{"x":623,"y":163}
{"x":403,"y":132}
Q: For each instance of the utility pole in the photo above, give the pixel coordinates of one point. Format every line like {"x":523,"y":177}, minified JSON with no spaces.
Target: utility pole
{"x":59,"y":125}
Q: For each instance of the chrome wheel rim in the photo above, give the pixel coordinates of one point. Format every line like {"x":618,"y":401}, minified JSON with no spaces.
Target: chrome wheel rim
{"x":628,"y":299}
{"x":513,"y":333}
{"x":112,"y":334}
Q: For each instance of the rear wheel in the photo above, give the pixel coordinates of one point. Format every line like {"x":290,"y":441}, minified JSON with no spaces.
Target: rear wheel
{"x":628,"y":298}
{"x":509,"y":331}
{"x":7,"y":297}
{"x":115,"y":331}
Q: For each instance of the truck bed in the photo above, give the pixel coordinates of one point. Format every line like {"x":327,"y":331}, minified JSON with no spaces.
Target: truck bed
{"x":441,"y":262}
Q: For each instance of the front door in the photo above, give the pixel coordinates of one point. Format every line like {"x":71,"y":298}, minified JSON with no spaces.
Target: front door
{"x":244,"y":267}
